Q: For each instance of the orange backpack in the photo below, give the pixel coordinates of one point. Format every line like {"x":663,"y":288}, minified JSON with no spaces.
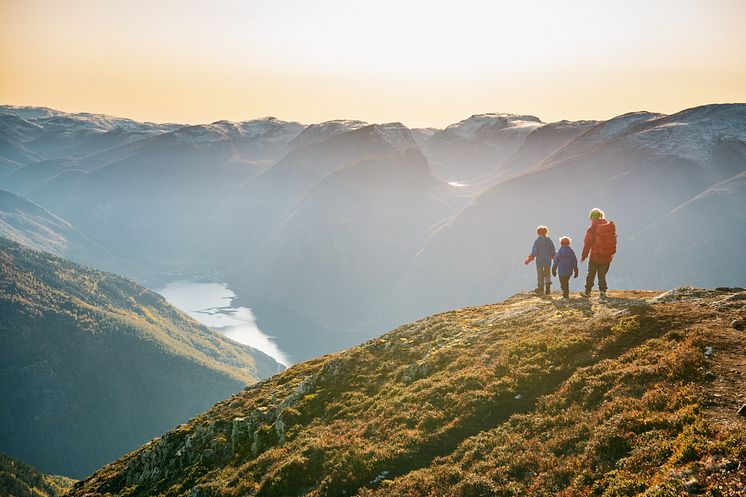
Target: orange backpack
{"x":605,"y":242}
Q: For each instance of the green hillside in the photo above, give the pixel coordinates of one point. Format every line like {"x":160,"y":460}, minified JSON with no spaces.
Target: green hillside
{"x":93,"y":365}
{"x":635,"y":395}
{"x":18,"y":479}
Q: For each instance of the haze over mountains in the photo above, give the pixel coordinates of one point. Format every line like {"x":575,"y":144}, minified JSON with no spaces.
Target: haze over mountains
{"x":94,"y":365}
{"x":337,"y":231}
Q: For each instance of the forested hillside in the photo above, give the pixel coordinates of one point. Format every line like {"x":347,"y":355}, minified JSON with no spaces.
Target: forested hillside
{"x":94,"y":365}
{"x":18,"y":479}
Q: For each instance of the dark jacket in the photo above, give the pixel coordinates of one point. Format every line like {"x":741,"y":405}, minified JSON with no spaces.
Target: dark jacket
{"x":543,"y":251}
{"x":565,"y":262}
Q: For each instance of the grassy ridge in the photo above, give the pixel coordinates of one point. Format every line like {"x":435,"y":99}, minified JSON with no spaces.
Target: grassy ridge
{"x":525,"y":397}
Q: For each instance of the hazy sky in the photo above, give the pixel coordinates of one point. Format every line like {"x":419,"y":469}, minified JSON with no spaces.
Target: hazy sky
{"x":425,"y":63}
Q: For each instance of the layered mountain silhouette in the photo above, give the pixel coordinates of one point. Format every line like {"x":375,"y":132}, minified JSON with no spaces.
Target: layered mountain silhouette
{"x":638,"y":392}
{"x":293,"y":216}
{"x":32,"y":225}
{"x":362,"y":223}
{"x":94,"y":365}
{"x":262,"y":205}
{"x":477,"y":147}
{"x":639,"y":167}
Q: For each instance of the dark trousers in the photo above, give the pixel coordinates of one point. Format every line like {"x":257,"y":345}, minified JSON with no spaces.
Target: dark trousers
{"x":593,"y":269}
{"x":565,"y":284}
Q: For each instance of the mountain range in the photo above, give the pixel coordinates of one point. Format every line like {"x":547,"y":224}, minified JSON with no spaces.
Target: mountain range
{"x":336,"y":231}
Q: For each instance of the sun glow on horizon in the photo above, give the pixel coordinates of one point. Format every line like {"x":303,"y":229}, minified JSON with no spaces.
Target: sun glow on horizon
{"x":425,"y":64}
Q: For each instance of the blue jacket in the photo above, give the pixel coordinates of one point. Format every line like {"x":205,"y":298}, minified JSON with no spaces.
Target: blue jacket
{"x":565,"y":262}
{"x":543,"y":251}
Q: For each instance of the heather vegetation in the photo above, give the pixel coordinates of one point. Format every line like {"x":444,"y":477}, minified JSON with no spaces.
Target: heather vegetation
{"x":524,"y":397}
{"x":18,"y":479}
{"x":90,"y":359}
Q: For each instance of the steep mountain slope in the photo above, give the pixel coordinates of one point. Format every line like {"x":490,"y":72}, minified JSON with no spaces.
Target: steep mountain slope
{"x":20,"y":180}
{"x":708,"y":227}
{"x":477,"y":147}
{"x":18,"y":479}
{"x":542,"y":143}
{"x":635,"y":393}
{"x":16,"y":127}
{"x":635,"y":178}
{"x":13,"y":154}
{"x":603,"y":133}
{"x":162,"y":198}
{"x":261,"y":205}
{"x":93,"y":365}
{"x":33,"y":226}
{"x":316,"y":133}
{"x":421,"y":135}
{"x":349,"y":238}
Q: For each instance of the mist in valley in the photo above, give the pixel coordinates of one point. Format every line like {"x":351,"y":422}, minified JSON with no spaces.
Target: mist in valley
{"x":334,"y":232}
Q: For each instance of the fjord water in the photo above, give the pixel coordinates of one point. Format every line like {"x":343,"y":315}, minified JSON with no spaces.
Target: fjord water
{"x":211,"y":303}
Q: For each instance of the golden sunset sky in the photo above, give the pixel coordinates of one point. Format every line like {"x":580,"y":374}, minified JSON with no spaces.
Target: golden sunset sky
{"x":424,"y":63}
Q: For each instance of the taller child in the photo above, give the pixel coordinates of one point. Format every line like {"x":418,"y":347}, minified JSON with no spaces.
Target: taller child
{"x":543,"y":251}
{"x":600,"y":246}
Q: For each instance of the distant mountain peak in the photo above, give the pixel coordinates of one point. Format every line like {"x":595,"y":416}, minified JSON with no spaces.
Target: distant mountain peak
{"x":267,"y":129}
{"x":694,"y":133}
{"x":396,"y":135}
{"x":504,"y":115}
{"x":29,"y":111}
{"x":316,"y":133}
{"x":481,"y":124}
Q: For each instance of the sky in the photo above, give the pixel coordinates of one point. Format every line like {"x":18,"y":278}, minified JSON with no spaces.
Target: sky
{"x":423,"y":63}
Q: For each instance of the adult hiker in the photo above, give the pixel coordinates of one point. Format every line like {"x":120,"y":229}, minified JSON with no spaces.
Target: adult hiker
{"x":600,"y":246}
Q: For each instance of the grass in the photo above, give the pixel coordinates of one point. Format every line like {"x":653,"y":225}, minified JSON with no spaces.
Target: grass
{"x":520,"y":398}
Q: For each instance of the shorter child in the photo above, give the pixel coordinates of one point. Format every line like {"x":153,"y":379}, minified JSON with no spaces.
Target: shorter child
{"x":566,"y":264}
{"x":543,"y":252}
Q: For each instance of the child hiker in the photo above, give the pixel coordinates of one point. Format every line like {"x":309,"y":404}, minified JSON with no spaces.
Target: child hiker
{"x":566,"y":264}
{"x":543,"y":252}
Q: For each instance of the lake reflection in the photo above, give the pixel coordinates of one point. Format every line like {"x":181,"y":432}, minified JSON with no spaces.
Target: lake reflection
{"x":212,"y":305}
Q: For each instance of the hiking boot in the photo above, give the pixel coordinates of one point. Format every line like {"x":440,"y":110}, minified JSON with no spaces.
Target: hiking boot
{"x":585,"y":294}
{"x":548,"y":289}
{"x":566,"y":298}
{"x":603,"y":294}
{"x":539,"y":291}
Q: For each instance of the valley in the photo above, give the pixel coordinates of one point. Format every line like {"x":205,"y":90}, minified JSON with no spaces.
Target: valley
{"x":92,"y":360}
{"x":211,"y":304}
{"x":372,"y":249}
{"x":291,"y":242}
{"x":333,"y":232}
